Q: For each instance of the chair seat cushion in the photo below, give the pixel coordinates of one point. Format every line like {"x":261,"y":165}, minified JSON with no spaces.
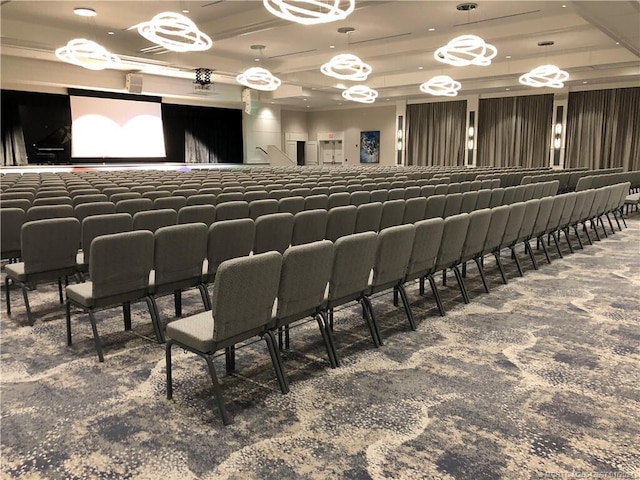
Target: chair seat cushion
{"x":81,"y":293}
{"x":632,"y":199}
{"x":16,"y":271}
{"x":195,"y":331}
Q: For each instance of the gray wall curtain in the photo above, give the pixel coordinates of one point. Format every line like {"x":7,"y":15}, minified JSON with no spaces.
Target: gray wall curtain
{"x":603,"y":129}
{"x":515,"y":131}
{"x":436,"y":133}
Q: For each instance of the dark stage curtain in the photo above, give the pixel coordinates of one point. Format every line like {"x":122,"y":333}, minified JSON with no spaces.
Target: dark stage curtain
{"x":13,"y":147}
{"x":603,"y":129}
{"x":202,"y":134}
{"x":515,"y":131}
{"x":436,"y":133}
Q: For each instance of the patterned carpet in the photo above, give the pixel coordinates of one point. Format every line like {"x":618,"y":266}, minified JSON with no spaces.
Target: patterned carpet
{"x":538,"y":379}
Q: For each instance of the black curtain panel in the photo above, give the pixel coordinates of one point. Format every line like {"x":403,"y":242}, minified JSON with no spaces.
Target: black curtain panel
{"x":515,"y":131}
{"x":436,"y":133}
{"x":603,"y":129}
{"x":202,"y":134}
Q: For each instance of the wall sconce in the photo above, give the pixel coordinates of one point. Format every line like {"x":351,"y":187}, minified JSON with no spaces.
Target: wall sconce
{"x":399,"y":135}
{"x":557,"y":136}
{"x":471,"y":137}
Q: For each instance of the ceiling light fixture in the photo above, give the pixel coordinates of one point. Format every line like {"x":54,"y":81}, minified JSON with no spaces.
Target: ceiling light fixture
{"x":360,"y":93}
{"x":545,"y":76}
{"x":466,"y":50}
{"x":441,"y":86}
{"x":174,"y":32}
{"x":85,"y":12}
{"x":259,"y":78}
{"x":310,"y":12}
{"x":87,"y":54}
{"x":347,"y":66}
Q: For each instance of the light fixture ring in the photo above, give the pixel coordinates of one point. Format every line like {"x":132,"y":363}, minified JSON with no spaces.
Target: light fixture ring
{"x":347,"y":66}
{"x":175,"y":32}
{"x":87,"y":54}
{"x":441,"y":86}
{"x":466,"y":50}
{"x":310,"y":12}
{"x":360,"y":93}
{"x":545,"y":76}
{"x":259,"y":78}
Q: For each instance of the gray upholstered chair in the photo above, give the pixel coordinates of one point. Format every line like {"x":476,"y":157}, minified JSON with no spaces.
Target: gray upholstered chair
{"x":509,"y":195}
{"x":152,"y":220}
{"x":134,"y":205}
{"x":393,"y":252}
{"x":484,"y":199}
{"x":512,"y":230}
{"x":352,"y":263}
{"x":565,"y":218}
{"x":411,"y":192}
{"x":253,"y":195}
{"x":449,"y":254}
{"x":49,"y":250}
{"x":279,"y":193}
{"x":526,"y":231}
{"x":243,"y":296}
{"x":95,"y":226}
{"x":11,"y":221}
{"x":201,"y":199}
{"x":453,"y":204}
{"x":379,"y":195}
{"x":91,"y":198}
{"x":497,"y":197}
{"x":226,"y":240}
{"x":435,"y":206}
{"x":306,"y":270}
{"x":156,"y":194}
{"x":479,"y":221}
{"x":173,"y":202}
{"x":309,"y":226}
{"x":85,"y":210}
{"x":414,"y":210}
{"x":232,"y":210}
{"x":395,"y":194}
{"x":554,"y":222}
{"x":257,"y":208}
{"x":316,"y":202}
{"x":49,"y":211}
{"x":424,"y":253}
{"x":368,"y":217}
{"x":392,"y":213}
{"x":38,"y":202}
{"x":178,"y":254}
{"x":291,"y":205}
{"x":197,"y":214}
{"x":341,"y":221}
{"x":427,"y":191}
{"x":542,"y":218}
{"x":118,"y":197}
{"x":119,"y":268}
{"x":469,"y":201}
{"x":360,"y":197}
{"x":21,"y":203}
{"x":273,"y":232}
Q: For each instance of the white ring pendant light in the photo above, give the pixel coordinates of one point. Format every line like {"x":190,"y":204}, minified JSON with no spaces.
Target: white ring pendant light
{"x":310,"y":12}
{"x":87,"y":54}
{"x":545,"y":76}
{"x":441,"y":86}
{"x":360,"y":93}
{"x":466,"y":50}
{"x":174,"y":32}
{"x":259,"y":78}
{"x":347,"y":66}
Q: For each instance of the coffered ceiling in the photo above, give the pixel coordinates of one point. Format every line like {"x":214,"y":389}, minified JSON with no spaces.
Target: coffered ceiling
{"x":597,"y":42}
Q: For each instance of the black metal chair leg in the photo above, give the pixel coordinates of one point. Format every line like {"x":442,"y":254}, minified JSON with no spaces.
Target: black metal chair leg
{"x":464,"y":270}
{"x":460,"y":280}
{"x":126,"y":311}
{"x":593,"y":227}
{"x":169,"y":376}
{"x":478,"y":261}
{"x":177,"y":302}
{"x":68,"y":319}
{"x":217,"y":393}
{"x":230,"y":359}
{"x":546,"y":252}
{"x":25,"y":295}
{"x":555,"y":240}
{"x":369,"y":318}
{"x":60,"y":296}
{"x":287,"y":338}
{"x":331,"y":319}
{"x":395,"y":297}
{"x":575,"y":229}
{"x":496,"y":254}
{"x":277,"y":362}
{"x":604,"y":230}
{"x":566,"y":235}
{"x":327,"y":343}
{"x":280,"y":338}
{"x":529,"y":250}
{"x":615,"y":217}
{"x":155,"y":318}
{"x":515,"y":258}
{"x":407,"y":307}
{"x":421,"y":286}
{"x":613,"y":232}
{"x":96,"y":337}
{"x":436,"y":295}
{"x":8,"y":297}
{"x":624,"y":222}
{"x":204,"y":294}
{"x":444,"y":277}
{"x":586,"y":231}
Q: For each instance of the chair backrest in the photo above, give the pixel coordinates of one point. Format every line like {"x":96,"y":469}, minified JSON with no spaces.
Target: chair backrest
{"x":92,"y":198}
{"x":201,"y":199}
{"x":479,"y":221}
{"x":542,"y":218}
{"x":556,"y":212}
{"x":341,"y":221}
{"x":509,"y":195}
{"x":538,"y":189}
{"x":11,"y":221}
{"x":85,"y":210}
{"x":309,"y":226}
{"x":368,"y":217}
{"x":49,"y":211}
{"x":185,"y":192}
{"x":243,"y":295}
{"x":352,"y":263}
{"x":414,"y":210}
{"x":453,"y":204}
{"x":232,"y":210}
{"x":306,"y":270}
{"x":154,"y":219}
{"x":257,"y":208}
{"x":529,"y":221}
{"x":301,"y":192}
{"x":134,"y":205}
{"x":435,"y":206}
{"x":179,"y":253}
{"x":427,"y":190}
{"x":229,"y":197}
{"x":118,"y":197}
{"x":360,"y":197}
{"x":273,"y":232}
{"x":392,"y":213}
{"x":396,"y":194}
{"x":229,"y":239}
{"x":497,"y":197}
{"x":197,"y":214}
{"x":484,"y":199}
{"x":512,"y":229}
{"x":567,"y":210}
{"x":251,"y":195}
{"x":173,"y":202}
{"x":315,"y":202}
{"x":97,"y":225}
{"x":38,"y":202}
{"x":411,"y":192}
{"x":379,"y":195}
{"x":426,"y":244}
{"x":21,"y":203}
{"x":156,"y":194}
{"x":393,"y":252}
{"x":291,"y":205}
{"x":120,"y":263}
{"x":279,"y":193}
{"x":339,"y":199}
{"x":49,"y":245}
{"x":454,"y":235}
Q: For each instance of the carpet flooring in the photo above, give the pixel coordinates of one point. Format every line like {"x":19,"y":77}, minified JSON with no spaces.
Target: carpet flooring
{"x":538,"y":379}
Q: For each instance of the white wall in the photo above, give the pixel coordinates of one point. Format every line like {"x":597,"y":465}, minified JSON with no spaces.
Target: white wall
{"x":294,"y":122}
{"x":352,"y":122}
{"x":261,"y":130}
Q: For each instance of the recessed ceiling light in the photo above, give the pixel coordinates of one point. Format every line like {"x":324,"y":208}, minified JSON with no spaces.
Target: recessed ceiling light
{"x":617,"y":43}
{"x":564,"y":6}
{"x":308,"y":106}
{"x":85,"y":12}
{"x":111,"y":33}
{"x":185,"y":11}
{"x":332,"y":46}
{"x":508,"y":56}
{"x":420,"y":68}
{"x":432,"y":29}
{"x":585,"y":82}
{"x":507,"y":89}
{"x":256,"y":59}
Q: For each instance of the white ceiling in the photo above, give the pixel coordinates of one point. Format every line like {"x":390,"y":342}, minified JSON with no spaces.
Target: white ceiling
{"x":596,"y":42}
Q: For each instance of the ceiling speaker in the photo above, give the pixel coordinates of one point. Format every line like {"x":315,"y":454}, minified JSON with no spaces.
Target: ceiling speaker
{"x":250,"y":100}
{"x":133,"y":82}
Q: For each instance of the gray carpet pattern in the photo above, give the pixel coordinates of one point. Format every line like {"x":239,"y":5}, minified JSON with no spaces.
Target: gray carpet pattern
{"x":538,"y":379}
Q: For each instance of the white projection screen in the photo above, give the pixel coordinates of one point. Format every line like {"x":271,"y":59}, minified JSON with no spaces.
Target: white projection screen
{"x":115,"y":128}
